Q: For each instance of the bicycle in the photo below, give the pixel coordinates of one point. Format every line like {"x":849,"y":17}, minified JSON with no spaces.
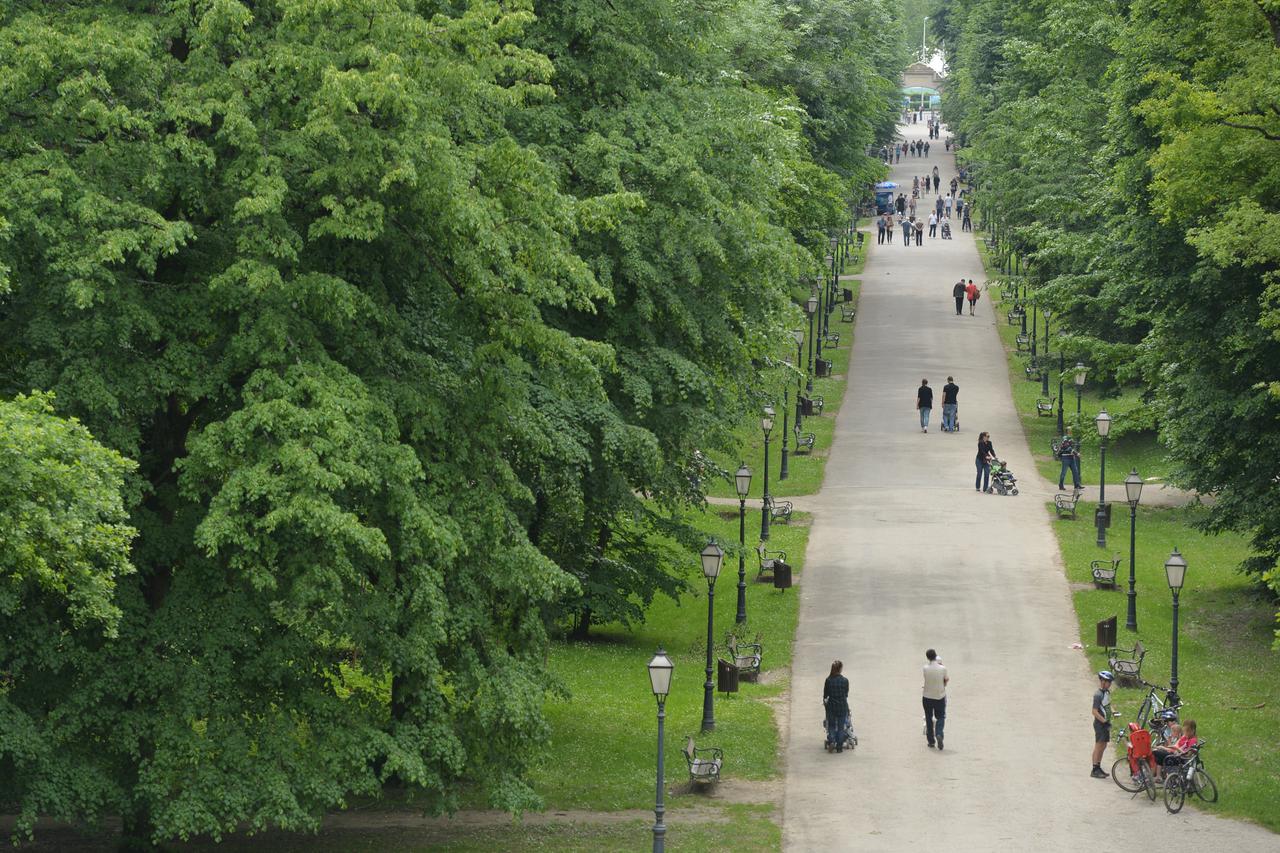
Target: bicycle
{"x":1189,"y":776}
{"x":1157,"y":715}
{"x":1135,"y":771}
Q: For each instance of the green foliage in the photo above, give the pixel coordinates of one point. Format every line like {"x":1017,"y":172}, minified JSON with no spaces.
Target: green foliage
{"x":1126,"y":152}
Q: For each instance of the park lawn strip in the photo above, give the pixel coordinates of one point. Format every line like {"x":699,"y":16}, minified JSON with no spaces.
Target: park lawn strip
{"x":603,"y":746}
{"x":805,"y":470}
{"x":1228,"y":675}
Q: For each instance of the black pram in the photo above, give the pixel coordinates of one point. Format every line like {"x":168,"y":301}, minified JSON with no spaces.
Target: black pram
{"x":946,"y":229}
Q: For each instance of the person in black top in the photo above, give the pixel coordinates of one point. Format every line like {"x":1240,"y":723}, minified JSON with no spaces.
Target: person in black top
{"x":950,"y":392}
{"x":958,"y":293}
{"x":986,"y":452}
{"x":924,"y":402}
{"x":835,"y":697}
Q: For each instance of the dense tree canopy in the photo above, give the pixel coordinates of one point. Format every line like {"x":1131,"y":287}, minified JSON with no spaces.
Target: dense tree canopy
{"x":415,"y":316}
{"x":1130,"y":152}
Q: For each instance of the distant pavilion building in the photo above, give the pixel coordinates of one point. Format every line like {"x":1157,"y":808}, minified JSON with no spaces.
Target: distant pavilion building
{"x":922,"y":87}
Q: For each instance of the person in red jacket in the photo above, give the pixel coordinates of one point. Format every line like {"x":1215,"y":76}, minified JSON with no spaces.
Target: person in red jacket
{"x":972,"y":293}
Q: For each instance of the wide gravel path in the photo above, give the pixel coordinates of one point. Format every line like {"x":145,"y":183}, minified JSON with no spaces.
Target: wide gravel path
{"x":904,"y":555}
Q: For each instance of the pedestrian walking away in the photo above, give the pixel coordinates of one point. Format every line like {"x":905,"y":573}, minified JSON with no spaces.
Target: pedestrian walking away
{"x":958,"y":293}
{"x":972,"y":293}
{"x":926,"y":149}
{"x":965,"y":224}
{"x":835,"y":698}
{"x":906,"y":232}
{"x":1069,"y":455}
{"x":933,"y":225}
{"x":924,"y":402}
{"x":880,"y":229}
{"x":950,"y":404}
{"x":1101,"y":722}
{"x":920,"y":233}
{"x":986,"y":453}
{"x":934,"y":698}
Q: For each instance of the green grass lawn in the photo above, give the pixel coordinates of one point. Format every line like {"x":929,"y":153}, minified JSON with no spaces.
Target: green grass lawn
{"x":611,"y":712}
{"x":1228,"y":675}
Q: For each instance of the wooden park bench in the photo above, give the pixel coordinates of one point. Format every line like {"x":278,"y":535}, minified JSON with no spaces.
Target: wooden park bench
{"x":804,"y":439}
{"x":818,"y":403}
{"x":847,"y":313}
{"x":780,"y":511}
{"x":831,"y":339}
{"x":1044,"y":406}
{"x":768,"y":561}
{"x":1065,"y":503}
{"x":1015,"y":315}
{"x":746,"y":657}
{"x":1023,"y":342}
{"x":1104,"y":572}
{"x":1129,"y":667}
{"x":703,"y":771}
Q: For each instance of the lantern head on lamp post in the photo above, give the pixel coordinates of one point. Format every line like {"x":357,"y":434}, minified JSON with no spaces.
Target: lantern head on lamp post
{"x":742,"y":480}
{"x":1081,"y":372}
{"x":1133,"y":494}
{"x":660,"y":669}
{"x":712,"y":557}
{"x":1175,"y":572}
{"x":1103,"y":515}
{"x":766,"y":427}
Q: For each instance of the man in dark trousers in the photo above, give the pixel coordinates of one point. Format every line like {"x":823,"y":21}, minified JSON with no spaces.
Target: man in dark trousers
{"x":924,"y":403}
{"x":934,"y":698}
{"x":958,"y":293}
{"x":950,"y":403}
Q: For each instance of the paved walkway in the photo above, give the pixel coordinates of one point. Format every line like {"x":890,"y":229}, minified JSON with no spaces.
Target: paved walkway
{"x":905,"y":555}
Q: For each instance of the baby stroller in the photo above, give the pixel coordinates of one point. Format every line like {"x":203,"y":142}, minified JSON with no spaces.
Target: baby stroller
{"x":850,"y":739}
{"x":1002,"y":480}
{"x":946,"y":229}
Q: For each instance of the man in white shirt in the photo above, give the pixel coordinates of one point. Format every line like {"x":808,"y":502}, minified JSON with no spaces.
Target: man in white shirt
{"x":934,"y":697}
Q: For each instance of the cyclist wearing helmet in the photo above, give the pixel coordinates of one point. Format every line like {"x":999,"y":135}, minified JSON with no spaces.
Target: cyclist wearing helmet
{"x":1101,"y":722}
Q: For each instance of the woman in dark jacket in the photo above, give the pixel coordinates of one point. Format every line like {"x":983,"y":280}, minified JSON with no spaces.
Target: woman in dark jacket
{"x":986,"y":452}
{"x":835,"y":696}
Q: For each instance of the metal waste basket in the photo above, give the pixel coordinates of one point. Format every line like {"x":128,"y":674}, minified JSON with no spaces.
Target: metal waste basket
{"x":726,"y":677}
{"x":782,"y":575}
{"x":1107,"y":633}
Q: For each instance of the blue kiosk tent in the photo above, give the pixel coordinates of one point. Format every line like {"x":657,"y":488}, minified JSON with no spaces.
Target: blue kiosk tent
{"x":884,"y":196}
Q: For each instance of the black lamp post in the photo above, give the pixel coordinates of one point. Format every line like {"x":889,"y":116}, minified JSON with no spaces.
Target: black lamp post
{"x":1175,"y":571}
{"x":810,"y":308}
{"x":1022,"y":303}
{"x":1081,"y":372}
{"x":1061,"y":367}
{"x":1103,"y":516}
{"x":712,"y":557}
{"x":817,"y":344}
{"x":766,"y":426}
{"x":824,"y":319}
{"x":743,"y":481}
{"x":1133,"y":493}
{"x":786,"y":413}
{"x":798,"y":336}
{"x":660,"y":668}
{"x":1035,"y":324}
{"x":1044,"y":359}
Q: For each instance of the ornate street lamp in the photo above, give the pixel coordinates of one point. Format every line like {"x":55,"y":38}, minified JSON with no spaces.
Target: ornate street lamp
{"x":712,"y":557}
{"x":783,"y":471}
{"x":1175,"y":571}
{"x":1044,"y":359}
{"x":810,"y":308}
{"x":660,"y":668}
{"x":797,"y":335}
{"x":743,"y":481}
{"x":1081,"y":373}
{"x":1102,"y":518}
{"x":766,"y":426}
{"x":1132,"y":493}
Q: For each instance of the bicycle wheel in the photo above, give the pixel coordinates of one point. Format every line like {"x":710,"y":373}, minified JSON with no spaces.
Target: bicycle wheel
{"x":1204,"y":786}
{"x":1175,"y":793}
{"x":1123,"y":776}
{"x":1148,"y":780}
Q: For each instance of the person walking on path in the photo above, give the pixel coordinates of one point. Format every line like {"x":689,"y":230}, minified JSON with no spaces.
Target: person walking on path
{"x":965,"y":224}
{"x":835,"y":698}
{"x":950,"y":201}
{"x":937,"y":206}
{"x":924,"y":402}
{"x":880,"y":229}
{"x":920,"y":233}
{"x":972,"y":293}
{"x":1069,"y":455}
{"x":986,"y":452}
{"x":950,"y":403}
{"x":906,"y":232}
{"x":933,"y":225}
{"x":1101,"y":722}
{"x":934,"y":698}
{"x":926,"y":149}
{"x":889,"y":227}
{"x":957,"y":292}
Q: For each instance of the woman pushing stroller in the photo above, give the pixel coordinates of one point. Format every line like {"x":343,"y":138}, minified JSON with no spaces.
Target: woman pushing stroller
{"x":835,"y":697}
